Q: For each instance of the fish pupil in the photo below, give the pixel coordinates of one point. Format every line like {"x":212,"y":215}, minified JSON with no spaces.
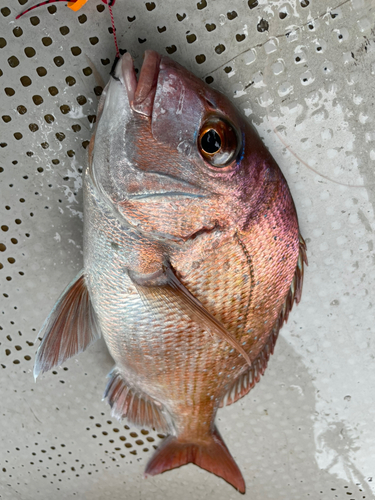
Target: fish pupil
{"x":211,"y":142}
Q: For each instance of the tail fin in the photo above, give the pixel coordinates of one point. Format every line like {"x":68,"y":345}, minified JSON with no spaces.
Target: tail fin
{"x":212,"y":456}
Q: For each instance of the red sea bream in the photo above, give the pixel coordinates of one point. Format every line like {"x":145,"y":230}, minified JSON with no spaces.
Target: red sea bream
{"x":192,"y":260}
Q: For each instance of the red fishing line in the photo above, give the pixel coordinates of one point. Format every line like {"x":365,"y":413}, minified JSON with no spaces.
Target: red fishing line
{"x":110,"y":4}
{"x":113,"y":27}
{"x":38,"y":5}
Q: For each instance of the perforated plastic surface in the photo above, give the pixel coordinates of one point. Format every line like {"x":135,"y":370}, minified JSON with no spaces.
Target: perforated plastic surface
{"x":303,"y":73}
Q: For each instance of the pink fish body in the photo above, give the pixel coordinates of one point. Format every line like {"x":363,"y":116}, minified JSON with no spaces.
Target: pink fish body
{"x":192,"y":260}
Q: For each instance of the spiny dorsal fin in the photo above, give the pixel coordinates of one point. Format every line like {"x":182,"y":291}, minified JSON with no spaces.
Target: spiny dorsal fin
{"x":245,"y":382}
{"x":139,"y":408}
{"x":165,"y":285}
{"x":69,"y":329}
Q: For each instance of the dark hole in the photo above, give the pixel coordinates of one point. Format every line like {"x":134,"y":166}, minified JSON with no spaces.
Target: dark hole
{"x":59,"y":61}
{"x":211,"y":142}
{"x":76,"y":51}
{"x":41,"y":71}
{"x":30,"y":52}
{"x":252,"y":3}
{"x":232,"y":15}
{"x":262,"y":26}
{"x":70,"y":81}
{"x":171,"y":49}
{"x":46,"y":41}
{"x":17,"y":31}
{"x":25,"y":80}
{"x":191,"y":38}
{"x":202,"y":4}
{"x":13,"y":61}
{"x":64,"y":30}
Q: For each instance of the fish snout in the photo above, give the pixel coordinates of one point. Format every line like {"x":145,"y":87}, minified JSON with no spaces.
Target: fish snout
{"x":141,"y":93}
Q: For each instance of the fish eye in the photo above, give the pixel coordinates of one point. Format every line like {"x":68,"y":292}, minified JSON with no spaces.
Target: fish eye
{"x":218,"y":142}
{"x":210,"y":142}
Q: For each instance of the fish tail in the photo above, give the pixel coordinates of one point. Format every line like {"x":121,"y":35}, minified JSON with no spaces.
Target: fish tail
{"x":212,"y":455}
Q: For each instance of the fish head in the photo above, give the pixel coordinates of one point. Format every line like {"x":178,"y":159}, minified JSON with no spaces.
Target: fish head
{"x":172,"y":155}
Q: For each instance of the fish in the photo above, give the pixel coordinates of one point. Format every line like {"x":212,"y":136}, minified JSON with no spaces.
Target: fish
{"x":193,"y":259}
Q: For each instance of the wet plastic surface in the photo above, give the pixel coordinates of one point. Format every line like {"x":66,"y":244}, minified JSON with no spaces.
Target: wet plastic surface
{"x":303,"y":73}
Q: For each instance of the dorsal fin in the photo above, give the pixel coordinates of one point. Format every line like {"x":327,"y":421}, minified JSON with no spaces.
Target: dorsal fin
{"x":138,"y":407}
{"x":69,"y":329}
{"x":245,"y":382}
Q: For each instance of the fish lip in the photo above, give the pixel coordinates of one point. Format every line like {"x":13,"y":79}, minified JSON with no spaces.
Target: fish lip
{"x":165,"y":185}
{"x":141,"y":93}
{"x":165,"y":194}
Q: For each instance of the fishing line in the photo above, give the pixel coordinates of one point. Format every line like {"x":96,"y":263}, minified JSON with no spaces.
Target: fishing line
{"x":76,"y":5}
{"x":274,"y":129}
{"x":281,"y":139}
{"x":110,"y":3}
{"x":38,"y":5}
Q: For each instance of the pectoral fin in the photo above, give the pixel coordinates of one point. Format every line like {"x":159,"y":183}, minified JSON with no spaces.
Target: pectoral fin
{"x":165,"y":285}
{"x":69,"y":329}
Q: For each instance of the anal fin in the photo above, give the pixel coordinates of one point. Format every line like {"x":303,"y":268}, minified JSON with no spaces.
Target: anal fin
{"x":138,"y":407}
{"x":69,"y":329}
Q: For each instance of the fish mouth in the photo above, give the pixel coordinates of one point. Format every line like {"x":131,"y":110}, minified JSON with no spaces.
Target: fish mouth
{"x":161,"y":187}
{"x":141,"y":93}
{"x":165,"y":194}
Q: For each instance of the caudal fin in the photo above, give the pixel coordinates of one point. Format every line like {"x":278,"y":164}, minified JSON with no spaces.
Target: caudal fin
{"x":212,"y":456}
